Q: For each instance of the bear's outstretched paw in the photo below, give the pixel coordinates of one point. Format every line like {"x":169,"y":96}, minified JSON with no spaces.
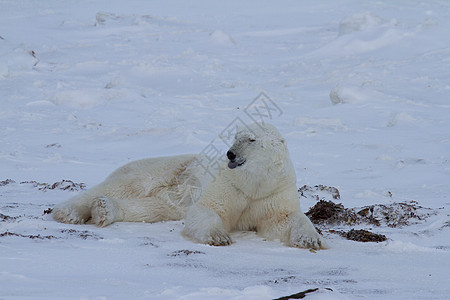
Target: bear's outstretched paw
{"x":103,"y":212}
{"x":67,"y":215}
{"x":218,"y":238}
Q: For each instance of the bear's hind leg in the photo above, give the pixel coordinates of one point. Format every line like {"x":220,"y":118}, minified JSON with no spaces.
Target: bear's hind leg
{"x":104,"y":212}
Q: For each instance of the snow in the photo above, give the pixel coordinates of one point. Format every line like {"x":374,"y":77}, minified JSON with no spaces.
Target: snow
{"x":87,"y":86}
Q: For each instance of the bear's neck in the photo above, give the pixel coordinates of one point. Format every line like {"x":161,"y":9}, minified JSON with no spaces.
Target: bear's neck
{"x":264,"y":184}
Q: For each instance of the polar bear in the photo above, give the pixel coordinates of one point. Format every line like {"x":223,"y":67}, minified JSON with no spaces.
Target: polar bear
{"x":254,"y":189}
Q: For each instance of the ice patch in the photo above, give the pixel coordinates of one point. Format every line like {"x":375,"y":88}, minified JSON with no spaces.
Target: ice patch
{"x":345,"y":94}
{"x":363,"y":33}
{"x":280,"y":32}
{"x":252,"y":292}
{"x":331,"y":123}
{"x":222,"y":38}
{"x":41,"y":103}
{"x":113,"y":241}
{"x":401,"y":247}
{"x":16,"y":60}
{"x":400,"y":118}
{"x":4,"y":70}
{"x":102,"y":17}
{"x":372,"y":40}
{"x":369,"y":194}
{"x":359,"y":22}
{"x":8,"y":276}
{"x":83,"y":98}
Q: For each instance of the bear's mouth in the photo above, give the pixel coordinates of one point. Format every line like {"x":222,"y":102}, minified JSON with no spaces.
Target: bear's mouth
{"x":232,"y":164}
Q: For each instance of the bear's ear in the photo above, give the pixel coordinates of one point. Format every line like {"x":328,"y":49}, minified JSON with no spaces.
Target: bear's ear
{"x":238,"y":130}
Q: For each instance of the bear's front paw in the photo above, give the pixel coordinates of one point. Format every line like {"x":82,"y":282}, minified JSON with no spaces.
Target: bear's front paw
{"x":306,"y":236}
{"x":218,"y":238}
{"x":203,"y":225}
{"x":308,"y":242}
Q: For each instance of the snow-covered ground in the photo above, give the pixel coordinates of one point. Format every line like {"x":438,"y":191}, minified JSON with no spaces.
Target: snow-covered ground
{"x":362,"y":95}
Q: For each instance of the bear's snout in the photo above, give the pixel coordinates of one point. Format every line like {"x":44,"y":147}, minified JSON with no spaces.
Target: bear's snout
{"x":233,"y":163}
{"x":231,"y":155}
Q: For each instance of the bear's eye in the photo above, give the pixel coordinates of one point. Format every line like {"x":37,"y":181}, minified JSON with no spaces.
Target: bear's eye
{"x":251,"y":140}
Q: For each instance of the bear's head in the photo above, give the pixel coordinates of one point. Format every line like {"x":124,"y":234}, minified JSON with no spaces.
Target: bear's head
{"x":259,"y":153}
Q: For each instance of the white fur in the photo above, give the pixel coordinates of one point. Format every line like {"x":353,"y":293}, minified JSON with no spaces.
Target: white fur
{"x":259,"y":194}
{"x":148,"y":190}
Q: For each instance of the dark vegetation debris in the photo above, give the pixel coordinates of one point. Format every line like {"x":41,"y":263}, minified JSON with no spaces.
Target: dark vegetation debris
{"x":185,"y":252}
{"x":149,"y":242}
{"x":33,"y":237}
{"x":326,"y":213}
{"x":56,"y":145}
{"x":284,"y":279}
{"x":65,"y":185}
{"x":330,"y":213}
{"x":7,"y":218}
{"x":362,"y":235}
{"x":84,"y":234}
{"x":48,"y":211}
{"x":395,"y":214}
{"x":5,"y":182}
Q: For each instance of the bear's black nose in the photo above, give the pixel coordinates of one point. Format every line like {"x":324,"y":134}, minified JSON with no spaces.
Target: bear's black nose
{"x":231,"y":155}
